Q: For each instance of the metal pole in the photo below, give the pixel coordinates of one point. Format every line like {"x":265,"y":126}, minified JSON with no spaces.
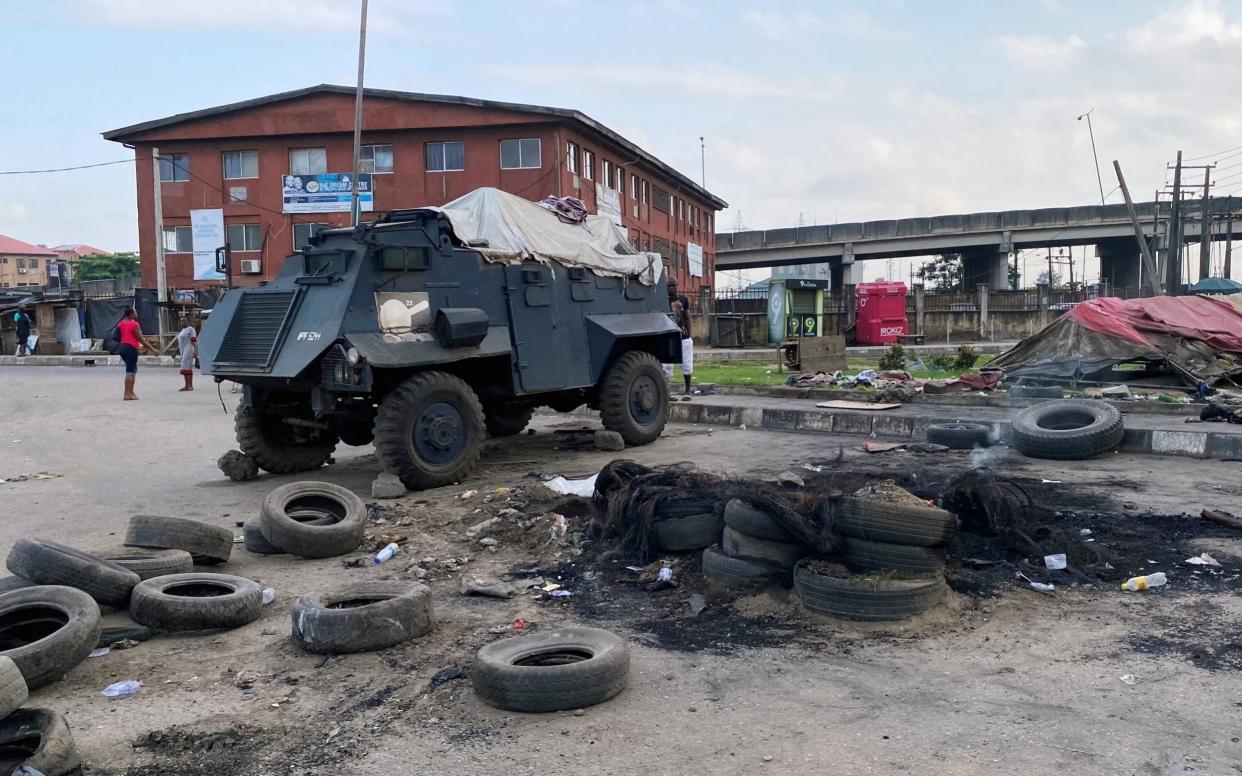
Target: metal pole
{"x":1174,"y":261}
{"x":1144,"y":249}
{"x":161,"y":275}
{"x":1228,"y":273}
{"x":703,"y":162}
{"x":1205,"y":230}
{"x":1091,"y":133}
{"x":362,"y":57}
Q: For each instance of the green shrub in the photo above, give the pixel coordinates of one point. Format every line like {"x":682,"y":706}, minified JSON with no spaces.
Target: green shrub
{"x":966,"y":358}
{"x":941,"y":362}
{"x":894,"y":358}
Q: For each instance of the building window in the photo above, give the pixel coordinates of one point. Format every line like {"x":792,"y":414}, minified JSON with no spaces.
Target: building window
{"x":571,"y":156}
{"x":376,"y":159}
{"x":522,"y":154}
{"x":308,"y":161}
{"x":620,"y":187}
{"x":588,"y":165}
{"x":302,"y":233}
{"x":244,"y":237}
{"x":633,"y":187}
{"x":21,"y":262}
{"x":607,"y":178}
{"x":34,"y":263}
{"x":681,"y":213}
{"x":646,"y":190}
{"x":178,"y":239}
{"x":241,"y":164}
{"x":174,"y":168}
{"x":446,"y":157}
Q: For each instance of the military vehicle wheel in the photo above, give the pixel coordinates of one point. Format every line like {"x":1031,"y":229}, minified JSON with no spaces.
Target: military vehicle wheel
{"x":278,"y":447}
{"x":633,"y":398}
{"x":506,"y":420}
{"x":429,"y":430}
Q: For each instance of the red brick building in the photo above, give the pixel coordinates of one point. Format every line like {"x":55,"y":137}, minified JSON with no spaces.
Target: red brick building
{"x":421,"y":149}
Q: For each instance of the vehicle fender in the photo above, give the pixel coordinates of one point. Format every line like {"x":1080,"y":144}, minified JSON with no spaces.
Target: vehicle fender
{"x":607,"y":332}
{"x":386,"y":351}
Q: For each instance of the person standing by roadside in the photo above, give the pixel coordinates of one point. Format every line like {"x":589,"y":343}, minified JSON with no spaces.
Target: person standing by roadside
{"x":679,"y":311}
{"x":131,"y":345}
{"x":187,"y":343}
{"x":22,"y":320}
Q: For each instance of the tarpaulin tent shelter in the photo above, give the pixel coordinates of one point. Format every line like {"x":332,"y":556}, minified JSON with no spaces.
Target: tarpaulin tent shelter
{"x":1216,"y":286}
{"x":1198,"y":338}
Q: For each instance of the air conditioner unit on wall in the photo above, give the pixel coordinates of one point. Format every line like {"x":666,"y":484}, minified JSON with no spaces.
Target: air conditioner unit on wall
{"x":21,"y":270}
{"x":251,"y":266}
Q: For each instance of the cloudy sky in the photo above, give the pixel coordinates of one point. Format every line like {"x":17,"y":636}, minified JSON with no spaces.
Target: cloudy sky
{"x":817,"y":112}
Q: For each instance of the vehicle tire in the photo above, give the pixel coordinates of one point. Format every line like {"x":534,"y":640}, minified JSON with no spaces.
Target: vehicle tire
{"x":283,"y":521}
{"x":256,"y":542}
{"x":506,"y":420}
{"x":110,"y":636}
{"x":429,"y":431}
{"x":568,"y":668}
{"x":739,"y":572}
{"x":278,"y":447}
{"x":960,"y":436}
{"x":13,"y":690}
{"x":148,"y":562}
{"x":879,"y":521}
{"x":362,"y":618}
{"x":862,"y":598}
{"x":633,"y":398}
{"x":687,"y":533}
{"x":1036,"y":392}
{"x":862,"y":555}
{"x":51,"y":563}
{"x":684,"y":505}
{"x":14,"y":583}
{"x":47,"y":630}
{"x":40,"y":740}
{"x":782,"y":554}
{"x":207,"y":544}
{"x":197,"y":601}
{"x":1067,"y":429}
{"x":752,"y":521}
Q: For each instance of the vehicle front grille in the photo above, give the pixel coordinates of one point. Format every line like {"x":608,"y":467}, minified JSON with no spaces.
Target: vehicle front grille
{"x":254,"y":333}
{"x":336,"y":370}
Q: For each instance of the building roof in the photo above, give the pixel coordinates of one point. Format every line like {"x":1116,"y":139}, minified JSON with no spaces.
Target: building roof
{"x":123,"y":134}
{"x":82,"y":249}
{"x":14,"y":247}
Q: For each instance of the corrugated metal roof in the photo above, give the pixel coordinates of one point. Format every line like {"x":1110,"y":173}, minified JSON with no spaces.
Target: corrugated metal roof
{"x":15,"y":247}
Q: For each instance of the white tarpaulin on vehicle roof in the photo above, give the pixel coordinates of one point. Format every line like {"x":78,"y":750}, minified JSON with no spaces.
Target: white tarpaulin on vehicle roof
{"x":515,"y":229}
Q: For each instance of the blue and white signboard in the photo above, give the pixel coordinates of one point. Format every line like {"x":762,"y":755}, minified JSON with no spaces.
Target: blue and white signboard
{"x":207,"y":233}
{"x":326,"y":193}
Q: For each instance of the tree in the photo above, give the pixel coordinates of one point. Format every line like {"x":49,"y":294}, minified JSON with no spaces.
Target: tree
{"x":106,"y":266}
{"x":1043,"y":279}
{"x":943,"y":273}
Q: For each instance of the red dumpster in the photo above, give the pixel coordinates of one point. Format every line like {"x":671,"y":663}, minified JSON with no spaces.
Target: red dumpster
{"x":881,"y":313}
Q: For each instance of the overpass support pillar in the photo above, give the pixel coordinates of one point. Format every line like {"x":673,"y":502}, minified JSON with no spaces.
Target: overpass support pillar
{"x":845,"y":271}
{"x":1120,"y":263}
{"x":986,"y":266}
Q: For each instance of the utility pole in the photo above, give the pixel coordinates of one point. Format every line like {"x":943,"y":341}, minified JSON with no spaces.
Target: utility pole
{"x":354,"y":208}
{"x":1228,"y":273}
{"x":703,"y":161}
{"x":1091,"y":132}
{"x":1205,"y":229}
{"x":1174,"y":261}
{"x":1144,"y":249}
{"x":161,"y":277}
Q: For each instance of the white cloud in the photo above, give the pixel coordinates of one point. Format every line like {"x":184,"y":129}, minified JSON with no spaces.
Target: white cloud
{"x":709,"y":82}
{"x":1038,"y":52}
{"x":13,"y":213}
{"x":778,"y":25}
{"x":296,"y":15}
{"x":1186,"y":26}
{"x":857,"y":23}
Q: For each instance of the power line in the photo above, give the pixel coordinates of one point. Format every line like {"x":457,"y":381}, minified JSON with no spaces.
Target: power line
{"x":1216,"y":154}
{"x":66,"y":169}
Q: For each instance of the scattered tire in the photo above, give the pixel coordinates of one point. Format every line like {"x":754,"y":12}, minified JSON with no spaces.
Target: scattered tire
{"x":960,"y":436}
{"x":783,"y":554}
{"x":1067,"y":429}
{"x":52,"y":563}
{"x":863,"y":555}
{"x":739,"y":572}
{"x":148,"y":562}
{"x":429,"y":431}
{"x":337,"y":528}
{"x":684,"y":505}
{"x":40,"y":740}
{"x":278,"y":447}
{"x":197,"y":601}
{"x":13,"y":690}
{"x":864,"y":598}
{"x":110,"y":636}
{"x":1036,"y":392}
{"x":633,"y":398}
{"x":688,"y":533}
{"x":506,"y":421}
{"x":256,"y":542}
{"x":753,"y":521}
{"x":881,"y":521}
{"x":362,"y":618}
{"x":208,"y":544}
{"x":568,"y":668}
{"x":14,"y":583}
{"x":47,"y":630}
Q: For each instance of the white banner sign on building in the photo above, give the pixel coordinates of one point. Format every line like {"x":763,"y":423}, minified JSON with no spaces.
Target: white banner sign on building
{"x":608,"y":203}
{"x":694,"y":255}
{"x":207,"y":229}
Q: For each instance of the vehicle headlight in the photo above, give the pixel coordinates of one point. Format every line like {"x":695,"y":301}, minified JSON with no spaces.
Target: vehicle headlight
{"x":353,"y":356}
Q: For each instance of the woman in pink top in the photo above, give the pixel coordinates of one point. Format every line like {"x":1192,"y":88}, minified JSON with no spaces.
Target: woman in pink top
{"x":131,"y":345}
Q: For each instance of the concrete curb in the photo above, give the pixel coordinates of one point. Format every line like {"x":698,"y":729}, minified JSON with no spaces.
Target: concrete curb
{"x":83,"y":359}
{"x":1195,"y":444}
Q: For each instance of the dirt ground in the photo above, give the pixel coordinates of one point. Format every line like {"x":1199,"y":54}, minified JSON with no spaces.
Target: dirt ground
{"x":1001,"y":679}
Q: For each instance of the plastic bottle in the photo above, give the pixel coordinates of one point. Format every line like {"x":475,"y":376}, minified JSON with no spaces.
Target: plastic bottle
{"x":1142,"y":583}
{"x":121,"y":689}
{"x":386,"y":553}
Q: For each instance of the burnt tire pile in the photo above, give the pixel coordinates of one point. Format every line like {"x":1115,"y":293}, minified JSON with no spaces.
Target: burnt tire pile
{"x":754,"y":549}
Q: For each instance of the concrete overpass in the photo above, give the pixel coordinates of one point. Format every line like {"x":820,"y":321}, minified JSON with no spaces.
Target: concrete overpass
{"x":985,"y":240}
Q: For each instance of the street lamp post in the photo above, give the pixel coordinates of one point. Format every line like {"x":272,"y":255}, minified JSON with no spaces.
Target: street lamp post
{"x":1099,"y":181}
